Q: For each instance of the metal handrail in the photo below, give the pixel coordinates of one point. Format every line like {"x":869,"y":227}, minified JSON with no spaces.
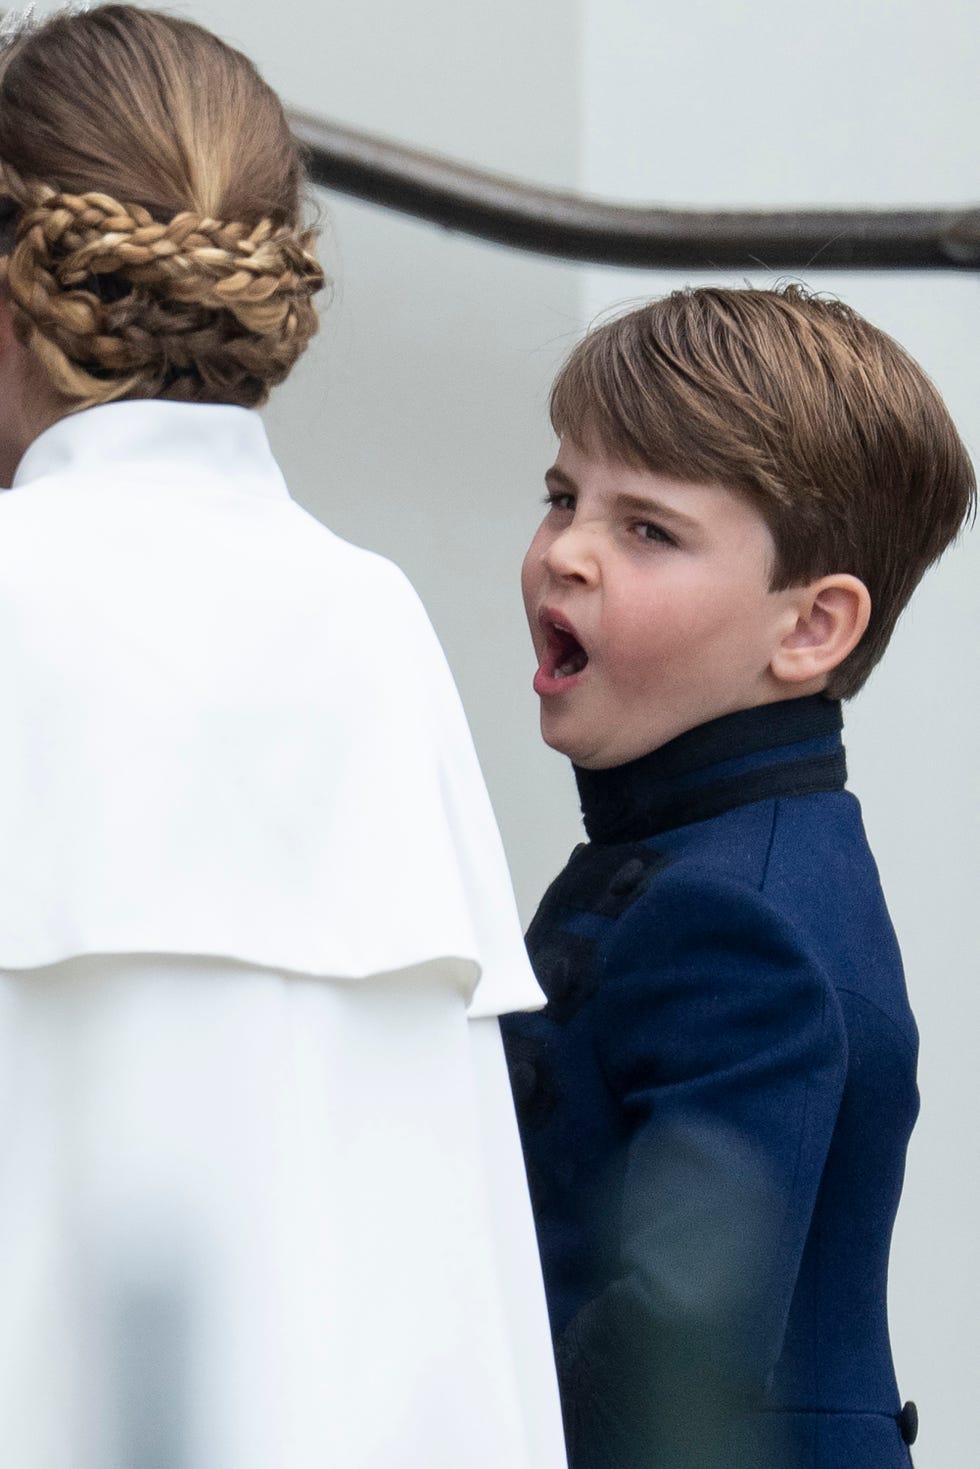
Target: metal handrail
{"x":575,"y":227}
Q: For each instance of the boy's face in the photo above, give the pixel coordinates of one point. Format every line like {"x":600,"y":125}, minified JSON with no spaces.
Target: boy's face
{"x":649,"y":605}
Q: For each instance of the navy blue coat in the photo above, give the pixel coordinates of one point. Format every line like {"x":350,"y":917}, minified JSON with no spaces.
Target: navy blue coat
{"x":715,"y":1108}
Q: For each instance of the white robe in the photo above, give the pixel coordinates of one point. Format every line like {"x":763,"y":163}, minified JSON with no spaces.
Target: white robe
{"x":261,"y":1196}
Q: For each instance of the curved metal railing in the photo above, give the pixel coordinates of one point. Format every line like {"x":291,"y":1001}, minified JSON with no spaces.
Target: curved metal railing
{"x":576,"y":227}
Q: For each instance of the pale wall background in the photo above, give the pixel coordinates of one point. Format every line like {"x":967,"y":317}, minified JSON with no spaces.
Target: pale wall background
{"x":417,"y":426}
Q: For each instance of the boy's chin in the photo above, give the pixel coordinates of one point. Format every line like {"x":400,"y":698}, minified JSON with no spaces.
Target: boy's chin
{"x":588,"y":755}
{"x":562,"y":741}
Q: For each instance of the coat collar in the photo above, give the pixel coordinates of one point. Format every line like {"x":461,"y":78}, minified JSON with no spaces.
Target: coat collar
{"x":156,"y":441}
{"x":784,"y":749}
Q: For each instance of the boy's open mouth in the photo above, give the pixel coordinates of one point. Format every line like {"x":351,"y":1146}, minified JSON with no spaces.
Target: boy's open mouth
{"x":567,"y":654}
{"x":563,"y":656}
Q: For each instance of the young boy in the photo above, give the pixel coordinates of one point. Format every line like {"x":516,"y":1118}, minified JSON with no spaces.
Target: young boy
{"x":716,"y":1103}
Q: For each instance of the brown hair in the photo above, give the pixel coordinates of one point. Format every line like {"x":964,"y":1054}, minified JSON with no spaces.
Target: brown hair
{"x":824,"y":422}
{"x":154,"y":194}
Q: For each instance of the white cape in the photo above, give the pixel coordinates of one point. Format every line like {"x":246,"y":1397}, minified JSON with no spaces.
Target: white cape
{"x":261,"y":1194}
{"x":228,"y":732}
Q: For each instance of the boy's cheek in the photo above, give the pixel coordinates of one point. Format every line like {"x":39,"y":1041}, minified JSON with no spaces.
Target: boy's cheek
{"x":532,"y":573}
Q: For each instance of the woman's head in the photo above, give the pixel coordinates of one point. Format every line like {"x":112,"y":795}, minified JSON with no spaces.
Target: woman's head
{"x":154,"y":244}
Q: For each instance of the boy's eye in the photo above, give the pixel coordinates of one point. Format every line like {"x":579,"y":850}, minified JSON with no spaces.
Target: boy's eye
{"x":648,"y":530}
{"x":559,"y":500}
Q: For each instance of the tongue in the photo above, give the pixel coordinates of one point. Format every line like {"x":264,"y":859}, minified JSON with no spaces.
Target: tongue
{"x":567,"y":654}
{"x":571,"y":661}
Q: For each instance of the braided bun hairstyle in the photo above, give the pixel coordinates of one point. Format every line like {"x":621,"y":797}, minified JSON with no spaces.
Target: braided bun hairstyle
{"x":153,"y":244}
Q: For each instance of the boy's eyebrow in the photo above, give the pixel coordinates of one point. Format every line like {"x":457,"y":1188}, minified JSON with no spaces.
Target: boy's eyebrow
{"x":642,"y":505}
{"x":557,"y":479}
{"x":635,"y":504}
{"x":561,"y":480}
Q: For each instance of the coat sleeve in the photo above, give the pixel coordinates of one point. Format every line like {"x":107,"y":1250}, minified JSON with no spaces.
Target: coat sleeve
{"x":724,"y":1045}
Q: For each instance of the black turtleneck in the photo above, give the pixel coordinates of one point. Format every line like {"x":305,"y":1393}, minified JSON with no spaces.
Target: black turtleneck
{"x":791,"y":748}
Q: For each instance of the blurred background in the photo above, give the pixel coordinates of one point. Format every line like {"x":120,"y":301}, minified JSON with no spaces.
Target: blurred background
{"x":417,"y":426}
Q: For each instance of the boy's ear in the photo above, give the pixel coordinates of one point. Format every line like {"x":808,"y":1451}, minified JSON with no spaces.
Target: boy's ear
{"x":830,"y":616}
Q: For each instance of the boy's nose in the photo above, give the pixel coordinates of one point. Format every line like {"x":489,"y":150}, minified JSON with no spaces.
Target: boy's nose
{"x":573,"y":555}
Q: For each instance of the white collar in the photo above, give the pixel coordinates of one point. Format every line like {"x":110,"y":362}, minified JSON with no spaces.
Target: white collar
{"x":157,"y":440}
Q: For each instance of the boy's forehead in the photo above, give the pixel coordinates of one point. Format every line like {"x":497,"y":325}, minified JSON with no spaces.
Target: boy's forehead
{"x":587,"y":459}
{"x":581,"y":466}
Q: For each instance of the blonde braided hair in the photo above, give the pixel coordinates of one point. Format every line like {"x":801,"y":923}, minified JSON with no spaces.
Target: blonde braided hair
{"x":116,"y":299}
{"x":215,"y":309}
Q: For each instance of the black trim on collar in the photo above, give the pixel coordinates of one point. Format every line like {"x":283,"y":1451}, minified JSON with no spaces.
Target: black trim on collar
{"x":637,"y":800}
